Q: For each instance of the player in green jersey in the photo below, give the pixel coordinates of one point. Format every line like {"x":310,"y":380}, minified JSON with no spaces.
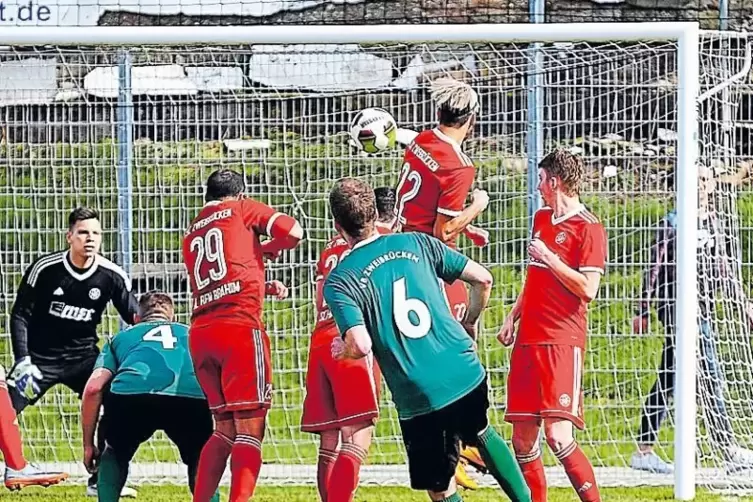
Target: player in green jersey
{"x":152,"y":386}
{"x":386,"y":296}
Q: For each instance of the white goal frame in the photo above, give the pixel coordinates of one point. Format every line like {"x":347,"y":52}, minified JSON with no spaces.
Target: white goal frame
{"x":685,"y":34}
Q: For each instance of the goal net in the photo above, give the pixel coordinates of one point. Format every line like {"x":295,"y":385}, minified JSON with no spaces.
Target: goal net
{"x":280,"y":115}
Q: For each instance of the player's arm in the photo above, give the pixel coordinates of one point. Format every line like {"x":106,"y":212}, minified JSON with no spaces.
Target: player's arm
{"x":663,"y":238}
{"x":276,"y":288}
{"x":452,"y":218}
{"x":583,"y":282}
{"x":356,"y":341}
{"x":284,"y":232}
{"x":124,"y":300}
{"x":20,"y":317}
{"x":91,"y":402}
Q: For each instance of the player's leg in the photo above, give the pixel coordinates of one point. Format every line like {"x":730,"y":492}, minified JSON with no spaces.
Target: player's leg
{"x":204,"y":343}
{"x":561,"y":371}
{"x":18,"y":473}
{"x":188,"y":424}
{"x":247,"y":387}
{"x":654,"y":411}
{"x":523,"y":411}
{"x":320,"y":416}
{"x":471,"y":425}
{"x":355,"y":387}
{"x":133,"y":419}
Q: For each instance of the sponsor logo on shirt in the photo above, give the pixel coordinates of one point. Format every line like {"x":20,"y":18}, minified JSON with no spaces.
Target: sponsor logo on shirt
{"x":71,"y":312}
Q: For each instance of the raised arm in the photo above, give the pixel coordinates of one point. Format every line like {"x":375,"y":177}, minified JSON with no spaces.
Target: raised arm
{"x":284,"y":231}
{"x":447,"y":227}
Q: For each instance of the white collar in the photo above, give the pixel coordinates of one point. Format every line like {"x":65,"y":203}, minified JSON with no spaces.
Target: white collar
{"x":76,"y":275}
{"x":444,"y":137}
{"x":567,"y":216}
{"x":366,"y":242}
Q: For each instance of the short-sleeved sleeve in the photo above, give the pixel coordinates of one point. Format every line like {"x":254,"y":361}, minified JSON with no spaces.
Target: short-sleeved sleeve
{"x":593,"y":249}
{"x":454,"y":186}
{"x":258,"y":216}
{"x":106,"y":359}
{"x":448,"y":263}
{"x":344,"y":308}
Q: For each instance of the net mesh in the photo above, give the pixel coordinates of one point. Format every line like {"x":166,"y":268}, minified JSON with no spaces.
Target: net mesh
{"x":280,"y":115}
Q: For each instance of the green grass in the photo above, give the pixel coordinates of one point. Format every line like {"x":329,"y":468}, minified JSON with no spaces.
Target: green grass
{"x":39,"y":185}
{"x":364,"y":494}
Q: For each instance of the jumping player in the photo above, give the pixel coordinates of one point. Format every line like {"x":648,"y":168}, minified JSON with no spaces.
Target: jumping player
{"x":342,"y":397}
{"x":567,"y":259}
{"x":386,"y":294}
{"x":224,"y":256}
{"x":434,"y":184}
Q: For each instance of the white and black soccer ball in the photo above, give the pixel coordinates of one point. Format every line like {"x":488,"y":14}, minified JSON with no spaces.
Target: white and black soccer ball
{"x":373,"y":130}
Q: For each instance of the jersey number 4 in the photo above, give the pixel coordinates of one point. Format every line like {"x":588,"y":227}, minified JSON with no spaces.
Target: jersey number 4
{"x":411,"y":315}
{"x":162,"y":334}
{"x":211,"y":248}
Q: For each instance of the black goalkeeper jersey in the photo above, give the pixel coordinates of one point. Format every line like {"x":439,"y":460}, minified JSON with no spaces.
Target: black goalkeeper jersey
{"x":58,"y":307}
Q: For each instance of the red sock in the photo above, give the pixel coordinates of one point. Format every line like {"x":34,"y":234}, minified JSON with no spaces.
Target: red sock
{"x":327,"y":460}
{"x":245,"y":464}
{"x":533,"y":472}
{"x":10,"y":434}
{"x":580,"y":472}
{"x":212,"y":465}
{"x":344,"y":478}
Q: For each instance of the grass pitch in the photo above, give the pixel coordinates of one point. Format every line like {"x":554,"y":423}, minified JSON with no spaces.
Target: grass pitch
{"x":71,"y":493}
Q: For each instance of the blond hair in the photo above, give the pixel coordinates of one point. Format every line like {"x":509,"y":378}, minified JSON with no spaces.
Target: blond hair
{"x":456,"y":101}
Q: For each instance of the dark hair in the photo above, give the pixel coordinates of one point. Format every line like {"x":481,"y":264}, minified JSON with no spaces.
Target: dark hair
{"x":155,"y":304}
{"x":224,"y":183}
{"x":385,"y":203}
{"x":81,"y":214}
{"x":353,"y":205}
{"x":566,"y":166}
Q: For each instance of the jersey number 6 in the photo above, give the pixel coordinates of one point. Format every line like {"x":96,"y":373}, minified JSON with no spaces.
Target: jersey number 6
{"x":402,"y":309}
{"x":211,"y":248}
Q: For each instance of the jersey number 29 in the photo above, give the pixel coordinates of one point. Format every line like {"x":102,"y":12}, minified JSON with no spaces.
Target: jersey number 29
{"x":211,"y":248}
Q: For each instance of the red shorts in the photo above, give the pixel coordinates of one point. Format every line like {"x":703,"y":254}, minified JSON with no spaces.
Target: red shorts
{"x":545,"y":382}
{"x":234,"y":367}
{"x":456,"y":295}
{"x":339,"y":393}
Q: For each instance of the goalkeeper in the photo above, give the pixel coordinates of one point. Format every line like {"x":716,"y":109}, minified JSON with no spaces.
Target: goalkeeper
{"x":659,"y":282}
{"x":153,"y":387}
{"x":58,"y":307}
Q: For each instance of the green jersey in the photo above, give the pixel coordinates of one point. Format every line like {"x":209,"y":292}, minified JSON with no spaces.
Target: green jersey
{"x":390,"y":285}
{"x":151,"y":358}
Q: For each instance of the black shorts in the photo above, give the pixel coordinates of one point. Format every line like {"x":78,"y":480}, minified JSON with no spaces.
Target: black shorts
{"x":132,"y":419}
{"x":432,"y":440}
{"x":73,"y":374}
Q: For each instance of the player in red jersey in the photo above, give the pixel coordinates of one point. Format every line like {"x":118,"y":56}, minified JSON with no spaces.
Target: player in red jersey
{"x":224,"y":256}
{"x":342,"y":396}
{"x":435,"y":181}
{"x":567,"y":259}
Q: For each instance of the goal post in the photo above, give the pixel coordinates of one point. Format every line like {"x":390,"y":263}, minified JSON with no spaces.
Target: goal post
{"x":293,"y":157}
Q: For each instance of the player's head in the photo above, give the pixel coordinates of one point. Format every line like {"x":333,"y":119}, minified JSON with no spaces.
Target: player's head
{"x":224,"y":184}
{"x":560,"y":173}
{"x":155,"y":306}
{"x":84,"y":234}
{"x":385,"y":205}
{"x":457,"y":103}
{"x":353,"y":206}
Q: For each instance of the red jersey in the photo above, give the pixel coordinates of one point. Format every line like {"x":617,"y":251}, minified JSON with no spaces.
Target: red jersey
{"x":550,"y":313}
{"x":334,"y":252}
{"x":436,"y":178}
{"x":222,"y":252}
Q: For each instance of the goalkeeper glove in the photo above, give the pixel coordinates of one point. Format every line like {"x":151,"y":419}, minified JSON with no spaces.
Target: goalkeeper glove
{"x":24,"y":376}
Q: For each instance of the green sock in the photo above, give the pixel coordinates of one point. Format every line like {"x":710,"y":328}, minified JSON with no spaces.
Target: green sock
{"x":455,"y":497}
{"x":502,"y":465}
{"x":111,"y":476}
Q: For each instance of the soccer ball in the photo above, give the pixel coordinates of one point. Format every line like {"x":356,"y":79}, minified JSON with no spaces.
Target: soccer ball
{"x":373,"y":130}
